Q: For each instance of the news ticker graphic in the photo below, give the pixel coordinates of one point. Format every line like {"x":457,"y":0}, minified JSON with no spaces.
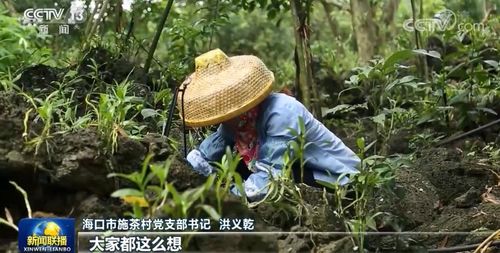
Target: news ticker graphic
{"x":168,"y":224}
{"x":131,"y":243}
{"x":46,"y":235}
{"x":152,"y":235}
{"x":119,"y":234}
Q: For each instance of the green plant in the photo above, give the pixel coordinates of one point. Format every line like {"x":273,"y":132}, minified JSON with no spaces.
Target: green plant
{"x":69,"y":120}
{"x":7,"y":81}
{"x":158,"y":196}
{"x":141,"y":180}
{"x":282,"y":190}
{"x":18,"y":42}
{"x":389,"y":89}
{"x":424,"y":140}
{"x":466,"y":84}
{"x":374,"y":172}
{"x":389,"y":122}
{"x":493,"y":152}
{"x":283,"y":193}
{"x":387,"y":78}
{"x":160,"y":99}
{"x":45,"y":109}
{"x":298,"y":145}
{"x":115,"y":113}
{"x":226,"y":176}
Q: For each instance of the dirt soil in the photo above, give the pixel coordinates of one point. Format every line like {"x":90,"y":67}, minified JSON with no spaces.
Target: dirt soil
{"x":443,"y":190}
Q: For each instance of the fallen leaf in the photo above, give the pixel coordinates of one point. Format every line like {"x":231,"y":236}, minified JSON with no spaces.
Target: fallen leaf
{"x":121,"y":131}
{"x":131,"y":200}
{"x":488,"y":197}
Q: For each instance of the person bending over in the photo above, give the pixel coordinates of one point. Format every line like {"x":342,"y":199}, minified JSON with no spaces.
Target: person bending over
{"x":235,"y":93}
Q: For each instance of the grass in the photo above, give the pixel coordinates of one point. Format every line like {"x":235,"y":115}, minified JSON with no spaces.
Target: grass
{"x":153,"y":194}
{"x":45,"y":109}
{"x":7,"y":81}
{"x":114,"y":114}
{"x":228,"y":177}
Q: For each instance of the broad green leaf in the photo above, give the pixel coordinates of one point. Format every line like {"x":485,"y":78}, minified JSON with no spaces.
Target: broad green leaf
{"x":407,"y":79}
{"x":492,"y":63}
{"x":370,"y":223}
{"x":370,"y":145}
{"x":211,"y":212}
{"x":344,"y":108}
{"x":360,"y":142}
{"x":374,"y":157}
{"x":488,"y":110}
{"x":430,"y":53}
{"x":395,"y":58}
{"x":137,"y":210}
{"x":133,"y":177}
{"x":126,"y":192}
{"x":146,"y":113}
{"x":354,"y":79}
{"x":460,"y":98}
{"x":392,"y":84}
{"x":379,"y":119}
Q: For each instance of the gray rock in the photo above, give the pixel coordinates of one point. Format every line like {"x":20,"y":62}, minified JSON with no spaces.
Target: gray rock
{"x":468,"y":199}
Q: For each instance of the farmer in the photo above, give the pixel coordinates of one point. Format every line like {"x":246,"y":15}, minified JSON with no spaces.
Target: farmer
{"x":235,"y":92}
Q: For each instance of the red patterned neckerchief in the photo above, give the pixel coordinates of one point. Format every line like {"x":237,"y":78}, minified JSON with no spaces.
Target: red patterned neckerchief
{"x":246,"y":141}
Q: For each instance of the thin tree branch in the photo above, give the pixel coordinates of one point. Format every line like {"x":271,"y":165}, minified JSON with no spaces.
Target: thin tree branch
{"x":91,"y":20}
{"x":159,"y":29}
{"x":473,"y":131}
{"x":104,"y":6}
{"x":214,"y":17}
{"x":340,"y":7}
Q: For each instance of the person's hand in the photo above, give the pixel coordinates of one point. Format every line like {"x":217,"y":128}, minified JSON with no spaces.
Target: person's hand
{"x":198,"y":163}
{"x":252,"y":192}
{"x":256,"y":185}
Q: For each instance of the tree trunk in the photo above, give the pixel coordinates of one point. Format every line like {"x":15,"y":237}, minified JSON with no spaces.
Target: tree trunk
{"x":93,"y":28}
{"x":334,"y":26}
{"x":159,"y":29}
{"x":364,"y":29}
{"x":308,"y":92}
{"x":119,"y":15}
{"x":389,"y":10}
{"x":91,"y":19}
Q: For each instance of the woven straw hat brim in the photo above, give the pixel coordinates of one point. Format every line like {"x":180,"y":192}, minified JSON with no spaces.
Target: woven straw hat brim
{"x":220,"y":93}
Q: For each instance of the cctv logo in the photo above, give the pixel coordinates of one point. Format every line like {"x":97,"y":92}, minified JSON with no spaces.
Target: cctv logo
{"x":45,"y":14}
{"x":52,"y":15}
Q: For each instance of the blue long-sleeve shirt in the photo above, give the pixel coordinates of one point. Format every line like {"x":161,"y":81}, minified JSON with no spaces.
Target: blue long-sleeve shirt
{"x":325,"y":154}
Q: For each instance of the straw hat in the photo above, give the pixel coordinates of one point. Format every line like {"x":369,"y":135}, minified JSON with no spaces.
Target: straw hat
{"x":223,"y":87}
